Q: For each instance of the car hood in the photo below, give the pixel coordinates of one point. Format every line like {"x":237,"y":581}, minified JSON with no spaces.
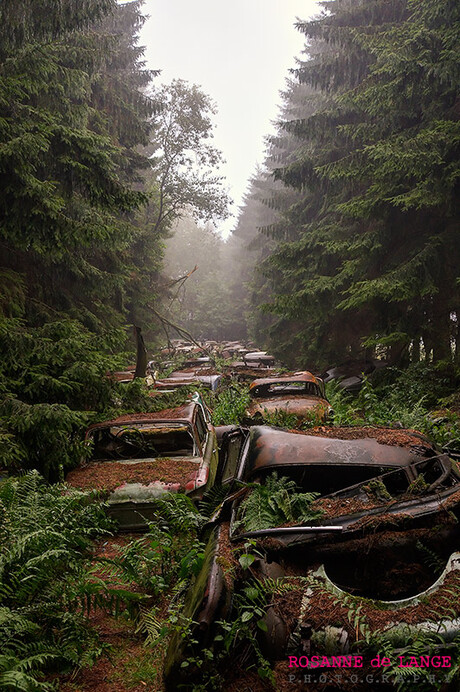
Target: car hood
{"x":140,"y":480}
{"x":296,"y":404}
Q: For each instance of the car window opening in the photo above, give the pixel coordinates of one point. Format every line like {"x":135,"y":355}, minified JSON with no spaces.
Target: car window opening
{"x":286,"y":388}
{"x":142,"y":442}
{"x":397,"y":567}
{"x":329,"y":479}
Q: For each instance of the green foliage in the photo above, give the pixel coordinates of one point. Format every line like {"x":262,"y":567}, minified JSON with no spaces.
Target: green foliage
{"x":166,"y":553}
{"x":184,"y":160}
{"x":54,"y":380}
{"x":345,"y":408}
{"x":432,"y":559}
{"x":45,"y":550}
{"x":239,"y":638}
{"x":281,"y":419}
{"x":233,"y":640}
{"x":402,"y":398}
{"x":213,"y":498}
{"x":376,"y":489}
{"x":143,"y":669}
{"x":276,"y":502}
{"x":363,"y":253}
{"x":229,"y":406}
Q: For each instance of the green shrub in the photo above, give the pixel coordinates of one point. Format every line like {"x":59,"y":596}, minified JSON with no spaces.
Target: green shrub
{"x":229,"y":406}
{"x":45,"y":550}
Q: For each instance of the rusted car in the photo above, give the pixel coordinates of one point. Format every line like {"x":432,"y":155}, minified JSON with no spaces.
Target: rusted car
{"x":351,"y":374}
{"x":126,"y":376}
{"x":179,"y":379}
{"x":240,"y":372}
{"x":139,"y":457}
{"x":381,"y":539}
{"x":261,"y":358}
{"x":301,"y":394}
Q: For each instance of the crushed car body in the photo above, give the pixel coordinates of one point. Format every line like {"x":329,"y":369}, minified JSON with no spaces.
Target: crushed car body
{"x":379,"y":502}
{"x":139,"y":457}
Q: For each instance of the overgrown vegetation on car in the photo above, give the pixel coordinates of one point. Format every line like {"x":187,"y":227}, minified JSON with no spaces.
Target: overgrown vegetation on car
{"x":276,"y":502}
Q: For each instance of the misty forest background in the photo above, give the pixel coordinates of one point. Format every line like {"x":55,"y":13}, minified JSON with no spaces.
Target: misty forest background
{"x":346,"y":245}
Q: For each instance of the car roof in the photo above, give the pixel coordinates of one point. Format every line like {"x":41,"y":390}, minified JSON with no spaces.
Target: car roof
{"x":272,"y":448}
{"x":304,"y":376}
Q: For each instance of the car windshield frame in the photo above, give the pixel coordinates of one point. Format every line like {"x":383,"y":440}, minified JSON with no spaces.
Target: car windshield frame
{"x":116,"y":431}
{"x":281,"y":389}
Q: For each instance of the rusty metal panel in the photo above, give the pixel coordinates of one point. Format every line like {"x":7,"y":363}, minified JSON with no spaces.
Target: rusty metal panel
{"x":179,"y":414}
{"x":304,"y":376}
{"x":296,"y":404}
{"x":275,"y":448}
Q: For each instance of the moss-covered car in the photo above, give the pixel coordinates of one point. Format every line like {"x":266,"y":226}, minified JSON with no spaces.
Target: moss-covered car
{"x":320,"y":527}
{"x":139,"y":457}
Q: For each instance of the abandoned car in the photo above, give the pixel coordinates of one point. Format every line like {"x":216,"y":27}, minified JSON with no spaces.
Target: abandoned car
{"x":319,"y":527}
{"x":301,"y":394}
{"x":261,"y":358}
{"x":351,"y":374}
{"x":139,"y":457}
{"x":126,"y":376}
{"x":178,"y":379}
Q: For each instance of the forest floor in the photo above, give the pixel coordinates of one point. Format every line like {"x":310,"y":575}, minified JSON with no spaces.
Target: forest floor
{"x":127,"y":664}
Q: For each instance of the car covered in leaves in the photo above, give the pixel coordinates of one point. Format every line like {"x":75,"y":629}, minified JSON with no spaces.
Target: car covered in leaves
{"x":136,"y":458}
{"x":178,"y":380}
{"x":300,"y":394}
{"x":321,"y":534}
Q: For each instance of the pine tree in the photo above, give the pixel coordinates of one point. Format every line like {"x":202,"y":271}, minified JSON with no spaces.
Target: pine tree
{"x":371,"y":257}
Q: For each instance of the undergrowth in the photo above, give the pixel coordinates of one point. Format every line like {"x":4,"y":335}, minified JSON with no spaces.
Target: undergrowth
{"x":396,"y":404}
{"x":46,"y":537}
{"x":229,"y":406}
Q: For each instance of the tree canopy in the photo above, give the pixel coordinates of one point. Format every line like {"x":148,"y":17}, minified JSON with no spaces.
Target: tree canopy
{"x":367,"y":253}
{"x":85,"y":211}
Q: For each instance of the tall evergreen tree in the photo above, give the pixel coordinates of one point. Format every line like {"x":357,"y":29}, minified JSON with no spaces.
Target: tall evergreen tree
{"x":372,"y":256}
{"x":67,"y":163}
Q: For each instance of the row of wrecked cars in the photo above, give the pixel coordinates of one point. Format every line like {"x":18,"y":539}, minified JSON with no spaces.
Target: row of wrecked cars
{"x":335,"y":513}
{"x":300,"y":394}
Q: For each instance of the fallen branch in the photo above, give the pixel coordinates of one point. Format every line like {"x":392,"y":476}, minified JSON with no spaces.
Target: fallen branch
{"x":181,"y":331}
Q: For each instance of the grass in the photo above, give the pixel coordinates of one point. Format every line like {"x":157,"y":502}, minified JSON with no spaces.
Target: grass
{"x":145,"y":668}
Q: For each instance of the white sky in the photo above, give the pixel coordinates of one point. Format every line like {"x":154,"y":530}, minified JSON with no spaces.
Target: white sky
{"x":239,"y":52}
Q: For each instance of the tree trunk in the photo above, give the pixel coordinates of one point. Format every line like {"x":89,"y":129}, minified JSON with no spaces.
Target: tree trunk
{"x":441,"y":338}
{"x":141,"y":360}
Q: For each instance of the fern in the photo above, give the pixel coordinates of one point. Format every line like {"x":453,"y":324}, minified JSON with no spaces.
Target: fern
{"x":274,"y":503}
{"x":44,"y":578}
{"x":431,"y":558}
{"x":151,"y":626}
{"x":212,"y":499}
